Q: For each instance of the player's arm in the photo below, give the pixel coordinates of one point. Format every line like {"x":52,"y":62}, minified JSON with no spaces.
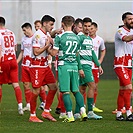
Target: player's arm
{"x":52,"y":51}
{"x":20,"y":56}
{"x":37,"y":50}
{"x":50,"y":61}
{"x":94,"y":58}
{"x":102,"y":55}
{"x":54,"y":32}
{"x":81,"y":72}
{"x":127,"y":38}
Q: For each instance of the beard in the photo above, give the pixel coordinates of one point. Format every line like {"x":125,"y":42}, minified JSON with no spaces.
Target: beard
{"x":129,"y":26}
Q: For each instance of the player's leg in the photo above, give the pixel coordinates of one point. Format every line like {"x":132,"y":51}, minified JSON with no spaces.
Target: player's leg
{"x":124,"y":93}
{"x":14,"y":80}
{"x":77,"y":108}
{"x":43,"y":96}
{"x":96,"y":79}
{"x":50,"y":81}
{"x":90,"y":101}
{"x":36,"y":84}
{"x":25,"y":78}
{"x":18,"y":94}
{"x":27,"y":92}
{"x":33,"y":104}
{"x":0,"y":97}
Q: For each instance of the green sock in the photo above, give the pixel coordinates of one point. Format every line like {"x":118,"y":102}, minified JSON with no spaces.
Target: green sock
{"x":67,"y":102}
{"x":79,"y":99}
{"x":90,"y":103}
{"x":79,"y":102}
{"x":77,"y":109}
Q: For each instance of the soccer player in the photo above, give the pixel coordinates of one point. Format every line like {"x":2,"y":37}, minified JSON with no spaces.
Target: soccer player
{"x":37,"y":24}
{"x":78,"y":26}
{"x":67,"y":44}
{"x":8,"y":63}
{"x":98,"y":45}
{"x":123,"y":66}
{"x":26,"y":49}
{"x":40,"y":72}
{"x":87,"y":55}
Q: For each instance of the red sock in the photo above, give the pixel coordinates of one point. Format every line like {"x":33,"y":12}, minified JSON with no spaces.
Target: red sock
{"x":0,"y":94}
{"x":27,"y":93}
{"x":33,"y":103}
{"x":95,"y":96}
{"x":59,"y":100}
{"x":18,"y":94}
{"x":43,"y":95}
{"x":127,"y":98}
{"x":84,"y":95}
{"x":63,"y":109}
{"x":120,"y":100}
{"x":50,"y":98}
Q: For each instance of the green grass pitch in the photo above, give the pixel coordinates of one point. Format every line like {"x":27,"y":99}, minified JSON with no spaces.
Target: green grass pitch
{"x":11,"y":122}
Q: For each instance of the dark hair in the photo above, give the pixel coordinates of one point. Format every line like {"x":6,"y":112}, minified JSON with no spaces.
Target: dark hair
{"x":68,"y":20}
{"x":37,"y":21}
{"x":26,"y":25}
{"x":78,"y":20}
{"x":87,"y":19}
{"x":95,"y":24}
{"x":125,"y":15}
{"x":2,"y":21}
{"x":47,"y":18}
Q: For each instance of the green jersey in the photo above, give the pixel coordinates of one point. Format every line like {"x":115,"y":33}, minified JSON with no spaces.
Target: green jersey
{"x":87,"y":54}
{"x":68,"y":44}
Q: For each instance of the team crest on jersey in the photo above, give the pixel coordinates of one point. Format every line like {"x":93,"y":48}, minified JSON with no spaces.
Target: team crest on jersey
{"x":37,"y":36}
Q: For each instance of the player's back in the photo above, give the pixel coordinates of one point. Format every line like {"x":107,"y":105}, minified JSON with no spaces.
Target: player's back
{"x":68,"y":47}
{"x":7,"y":42}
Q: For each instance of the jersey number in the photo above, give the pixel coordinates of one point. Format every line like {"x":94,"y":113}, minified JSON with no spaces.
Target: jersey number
{"x":70,"y":44}
{"x":9,"y":41}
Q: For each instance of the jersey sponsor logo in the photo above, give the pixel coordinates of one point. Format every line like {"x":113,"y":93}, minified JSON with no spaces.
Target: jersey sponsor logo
{"x":86,"y":41}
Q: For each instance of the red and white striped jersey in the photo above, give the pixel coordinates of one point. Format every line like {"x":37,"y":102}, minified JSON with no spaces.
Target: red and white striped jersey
{"x":123,"y":50}
{"x":98,"y":45}
{"x":26,"y":46}
{"x":7,"y":43}
{"x":38,"y":41}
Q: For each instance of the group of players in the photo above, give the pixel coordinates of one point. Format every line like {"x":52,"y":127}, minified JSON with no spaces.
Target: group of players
{"x":77,"y":46}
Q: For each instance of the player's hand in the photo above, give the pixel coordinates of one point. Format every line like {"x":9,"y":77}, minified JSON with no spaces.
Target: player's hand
{"x":47,"y":43}
{"x":59,"y":31}
{"x":100,"y":70}
{"x":50,"y":65}
{"x":81,"y":73}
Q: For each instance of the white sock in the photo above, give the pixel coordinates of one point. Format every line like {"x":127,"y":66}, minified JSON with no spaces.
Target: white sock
{"x":70,"y":114}
{"x":82,"y":110}
{"x":28,"y":105}
{"x":46,"y":110}
{"x":32,"y":114}
{"x":20,"y":106}
{"x":119,"y":113}
{"x":128,"y":112}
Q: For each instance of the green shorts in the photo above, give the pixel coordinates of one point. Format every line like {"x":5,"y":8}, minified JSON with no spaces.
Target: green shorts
{"x":88,"y":75}
{"x":68,"y":78}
